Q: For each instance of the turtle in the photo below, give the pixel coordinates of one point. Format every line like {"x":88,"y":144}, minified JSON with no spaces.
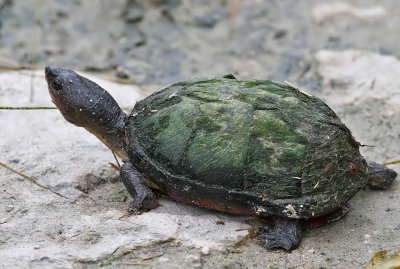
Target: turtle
{"x":248,"y":147}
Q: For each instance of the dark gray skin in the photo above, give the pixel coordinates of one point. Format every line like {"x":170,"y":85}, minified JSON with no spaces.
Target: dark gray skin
{"x":135,"y":184}
{"x":85,"y":104}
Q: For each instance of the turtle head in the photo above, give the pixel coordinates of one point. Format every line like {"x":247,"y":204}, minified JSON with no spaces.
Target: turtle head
{"x":85,"y":104}
{"x":76,"y":97}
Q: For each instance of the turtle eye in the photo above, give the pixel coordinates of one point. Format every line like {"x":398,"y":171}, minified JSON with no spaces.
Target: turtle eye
{"x":57,"y":84}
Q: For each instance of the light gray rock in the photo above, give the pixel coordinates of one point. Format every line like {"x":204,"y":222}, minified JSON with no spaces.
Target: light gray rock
{"x":53,"y":232}
{"x":47,"y":231}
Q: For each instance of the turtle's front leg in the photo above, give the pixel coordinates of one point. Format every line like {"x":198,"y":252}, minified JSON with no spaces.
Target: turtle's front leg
{"x":286,"y":234}
{"x":144,"y":198}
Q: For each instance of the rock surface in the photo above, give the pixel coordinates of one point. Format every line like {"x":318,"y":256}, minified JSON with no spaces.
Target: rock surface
{"x":207,"y":38}
{"x":42,"y":230}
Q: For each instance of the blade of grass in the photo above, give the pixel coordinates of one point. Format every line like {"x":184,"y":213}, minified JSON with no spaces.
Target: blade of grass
{"x":393,"y":162}
{"x":33,"y":181}
{"x":26,"y":107}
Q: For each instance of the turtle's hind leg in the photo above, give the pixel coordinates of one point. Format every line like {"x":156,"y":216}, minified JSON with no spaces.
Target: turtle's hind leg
{"x":144,"y":198}
{"x":286,"y":234}
{"x":380,"y":177}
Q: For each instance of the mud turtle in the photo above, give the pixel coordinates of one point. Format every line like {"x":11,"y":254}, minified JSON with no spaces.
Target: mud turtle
{"x":254,"y":147}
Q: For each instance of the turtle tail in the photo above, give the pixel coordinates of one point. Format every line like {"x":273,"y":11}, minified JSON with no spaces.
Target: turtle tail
{"x":380,"y":177}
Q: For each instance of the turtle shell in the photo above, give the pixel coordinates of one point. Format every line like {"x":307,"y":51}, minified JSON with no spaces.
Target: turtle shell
{"x":248,"y":147}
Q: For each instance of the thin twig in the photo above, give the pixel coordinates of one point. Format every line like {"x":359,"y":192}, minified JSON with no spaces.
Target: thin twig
{"x":116,"y":159}
{"x":252,"y":233}
{"x":152,"y":257}
{"x":297,"y":88}
{"x":114,"y":166}
{"x":81,"y":232}
{"x":126,"y":215}
{"x":235,"y":9}
{"x":119,"y":80}
{"x":244,"y":229}
{"x":33,"y":181}
{"x":14,"y":68}
{"x":34,"y":46}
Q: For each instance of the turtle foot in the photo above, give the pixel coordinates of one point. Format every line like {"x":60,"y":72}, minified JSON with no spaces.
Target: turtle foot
{"x":285,"y":234}
{"x":380,"y":177}
{"x":144,"y":198}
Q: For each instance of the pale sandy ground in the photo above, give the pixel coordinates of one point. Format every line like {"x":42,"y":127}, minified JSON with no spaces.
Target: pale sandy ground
{"x":41,"y":230}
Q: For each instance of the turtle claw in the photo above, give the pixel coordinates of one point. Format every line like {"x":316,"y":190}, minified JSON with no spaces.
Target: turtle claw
{"x":134,"y":209}
{"x":145,"y":203}
{"x":274,"y":242}
{"x":286,"y":234}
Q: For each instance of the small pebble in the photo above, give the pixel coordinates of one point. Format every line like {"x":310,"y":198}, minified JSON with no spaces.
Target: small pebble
{"x":192,"y":258}
{"x":205,"y":250}
{"x":23,"y":211}
{"x":134,"y":15}
{"x":163,"y":259}
{"x":197,"y":265}
{"x":9,"y":208}
{"x":36,"y":247}
{"x":3,"y":220}
{"x":121,"y":72}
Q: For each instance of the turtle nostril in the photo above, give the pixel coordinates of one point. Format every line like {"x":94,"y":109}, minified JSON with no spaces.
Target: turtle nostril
{"x":54,"y":77}
{"x":51,"y":71}
{"x":48,"y":70}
